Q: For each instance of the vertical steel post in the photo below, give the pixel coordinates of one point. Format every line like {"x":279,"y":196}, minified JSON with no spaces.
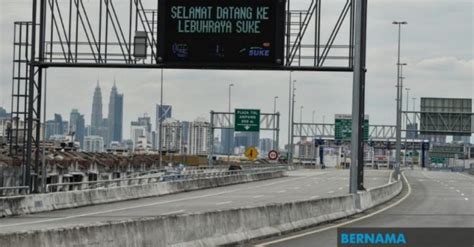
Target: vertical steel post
{"x":31,"y":98}
{"x":358,"y":93}
{"x":160,"y":123}
{"x":290,"y":141}
{"x":211,"y":140}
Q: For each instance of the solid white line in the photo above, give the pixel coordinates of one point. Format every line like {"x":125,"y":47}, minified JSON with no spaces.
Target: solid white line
{"x":314,"y":197}
{"x":340,"y":188}
{"x":330,"y":192}
{"x":342,"y":224}
{"x":465,"y":198}
{"x":222,"y":203}
{"x":462,"y":194}
{"x":257,"y":196}
{"x":457,"y":191}
{"x":281,"y":191}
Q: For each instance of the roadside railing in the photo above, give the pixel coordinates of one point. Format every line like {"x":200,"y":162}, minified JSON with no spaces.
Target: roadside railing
{"x":153,"y":179}
{"x":146,"y":178}
{"x":14,"y":190}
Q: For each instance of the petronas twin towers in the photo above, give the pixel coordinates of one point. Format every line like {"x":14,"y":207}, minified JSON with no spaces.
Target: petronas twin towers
{"x":109,"y":128}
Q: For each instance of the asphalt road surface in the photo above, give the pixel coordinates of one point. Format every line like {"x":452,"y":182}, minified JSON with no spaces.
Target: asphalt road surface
{"x":299,"y":185}
{"x":437,"y":199}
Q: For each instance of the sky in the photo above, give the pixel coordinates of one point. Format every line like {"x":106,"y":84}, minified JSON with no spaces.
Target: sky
{"x":437,"y":44}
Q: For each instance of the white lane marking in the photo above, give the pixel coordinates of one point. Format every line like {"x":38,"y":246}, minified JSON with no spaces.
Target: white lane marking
{"x":118,"y":209}
{"x":173,"y":212}
{"x":314,"y":197}
{"x":342,"y":224}
{"x":157,"y":203}
{"x":458,"y":191}
{"x":465,"y":198}
{"x":257,"y":196}
{"x":330,"y":192}
{"x":340,"y":188}
{"x":281,"y":191}
{"x":462,"y":194}
{"x":222,"y":203}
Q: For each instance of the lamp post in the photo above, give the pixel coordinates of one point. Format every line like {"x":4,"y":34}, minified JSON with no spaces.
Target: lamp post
{"x":229,"y":133}
{"x":289,"y":118}
{"x":406,"y":129}
{"x":274,"y":145}
{"x":399,"y":99}
{"x":292,"y":120}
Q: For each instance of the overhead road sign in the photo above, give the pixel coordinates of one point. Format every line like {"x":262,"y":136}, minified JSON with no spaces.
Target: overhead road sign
{"x":446,"y":116}
{"x":228,"y":33}
{"x":247,"y":120}
{"x":251,"y":153}
{"x":343,"y":127}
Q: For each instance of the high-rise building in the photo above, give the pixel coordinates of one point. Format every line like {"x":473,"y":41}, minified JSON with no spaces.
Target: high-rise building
{"x":265,"y":144}
{"x":93,"y":144}
{"x":171,"y":136}
{"x":55,"y":127}
{"x":227,"y":141}
{"x":3,"y":113}
{"x":96,"y":116}
{"x":77,"y":126}
{"x":141,"y":128}
{"x":115,"y":116}
{"x":198,"y":133}
{"x":247,"y":139}
{"x":163,"y":112}
{"x":185,"y":137}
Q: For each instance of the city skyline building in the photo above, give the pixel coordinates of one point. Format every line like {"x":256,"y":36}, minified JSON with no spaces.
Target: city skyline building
{"x":164,"y":112}
{"x":93,"y":144}
{"x":77,"y":126}
{"x":198,"y":137}
{"x":55,"y":126}
{"x":96,"y":115}
{"x":115,"y":116}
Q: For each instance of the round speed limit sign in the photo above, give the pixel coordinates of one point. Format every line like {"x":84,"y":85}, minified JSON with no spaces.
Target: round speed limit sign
{"x":273,"y":155}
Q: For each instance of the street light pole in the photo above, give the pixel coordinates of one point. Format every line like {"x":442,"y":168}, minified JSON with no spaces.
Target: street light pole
{"x":292,"y":122}
{"x":160,"y":124}
{"x":399,"y":99}
{"x":289,"y":119}
{"x":406,"y":129}
{"x":274,"y":120}
{"x":229,"y":130}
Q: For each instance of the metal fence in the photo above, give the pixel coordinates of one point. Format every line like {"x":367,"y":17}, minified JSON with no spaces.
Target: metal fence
{"x":148,"y":178}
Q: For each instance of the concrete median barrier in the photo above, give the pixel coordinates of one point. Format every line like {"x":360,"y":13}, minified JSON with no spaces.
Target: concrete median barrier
{"x":34,"y":203}
{"x":208,"y":228}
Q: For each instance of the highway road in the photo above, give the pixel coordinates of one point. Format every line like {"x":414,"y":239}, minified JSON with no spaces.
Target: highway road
{"x":435,"y":199}
{"x":299,"y":185}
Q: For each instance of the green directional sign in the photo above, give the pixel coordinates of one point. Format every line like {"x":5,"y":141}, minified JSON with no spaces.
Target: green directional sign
{"x":247,"y":120}
{"x":343,"y":128}
{"x":438,"y":160}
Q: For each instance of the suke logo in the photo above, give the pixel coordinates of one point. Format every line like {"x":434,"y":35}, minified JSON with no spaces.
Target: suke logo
{"x":257,"y":51}
{"x":180,"y":50}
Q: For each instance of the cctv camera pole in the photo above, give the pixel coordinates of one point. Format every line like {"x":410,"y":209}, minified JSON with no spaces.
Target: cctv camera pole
{"x":358,"y":98}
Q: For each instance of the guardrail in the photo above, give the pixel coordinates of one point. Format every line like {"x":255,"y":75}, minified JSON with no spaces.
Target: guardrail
{"x":14,"y":190}
{"x":144,"y":178}
{"x":152,"y":179}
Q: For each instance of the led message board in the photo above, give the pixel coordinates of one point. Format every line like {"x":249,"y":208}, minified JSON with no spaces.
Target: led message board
{"x":221,"y":32}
